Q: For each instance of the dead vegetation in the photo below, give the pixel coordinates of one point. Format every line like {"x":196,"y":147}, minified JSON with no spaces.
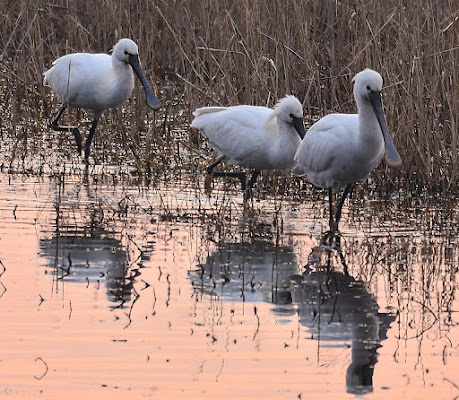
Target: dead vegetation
{"x":253,"y":52}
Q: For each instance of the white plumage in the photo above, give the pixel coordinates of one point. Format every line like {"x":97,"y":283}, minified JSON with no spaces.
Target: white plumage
{"x":96,"y":82}
{"x":251,"y":136}
{"x":341,"y":149}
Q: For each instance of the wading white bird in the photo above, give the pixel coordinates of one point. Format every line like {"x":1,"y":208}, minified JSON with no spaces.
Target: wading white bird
{"x":96,"y":82}
{"x":341,"y":149}
{"x":252,"y":137}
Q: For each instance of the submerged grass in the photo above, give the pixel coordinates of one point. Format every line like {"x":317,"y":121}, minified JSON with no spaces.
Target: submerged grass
{"x":228,"y":53}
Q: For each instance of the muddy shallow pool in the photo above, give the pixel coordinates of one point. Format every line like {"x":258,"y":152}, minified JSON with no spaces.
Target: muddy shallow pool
{"x":115,"y":290}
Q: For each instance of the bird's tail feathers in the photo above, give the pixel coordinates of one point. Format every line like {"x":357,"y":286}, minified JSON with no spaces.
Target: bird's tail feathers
{"x":207,"y":110}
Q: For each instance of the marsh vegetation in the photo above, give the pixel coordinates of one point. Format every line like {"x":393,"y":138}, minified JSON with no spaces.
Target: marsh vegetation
{"x":149,"y":285}
{"x":228,"y":53}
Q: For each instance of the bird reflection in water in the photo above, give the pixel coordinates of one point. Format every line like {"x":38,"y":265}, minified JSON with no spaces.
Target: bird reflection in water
{"x":90,"y":254}
{"x":250,"y":272}
{"x":335,"y":307}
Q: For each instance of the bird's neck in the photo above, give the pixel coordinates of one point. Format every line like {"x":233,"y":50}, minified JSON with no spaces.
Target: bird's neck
{"x":284,"y":143}
{"x":124,"y":76}
{"x":121,"y":67}
{"x":368,"y":123}
{"x":369,"y":130}
{"x":287,"y":133}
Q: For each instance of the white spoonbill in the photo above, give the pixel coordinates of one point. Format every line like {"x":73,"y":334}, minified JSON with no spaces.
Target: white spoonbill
{"x":252,"y":136}
{"x":341,"y":149}
{"x":96,"y":82}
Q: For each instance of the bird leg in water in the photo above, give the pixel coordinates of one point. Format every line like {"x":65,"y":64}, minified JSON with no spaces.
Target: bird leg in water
{"x":347,"y":191}
{"x":248,"y":194}
{"x":253,"y":179}
{"x":210,"y":168}
{"x":60,"y":128}
{"x":210,"y":173}
{"x":87,"y":145}
{"x":333,"y":233}
{"x":331,"y":222}
{"x":240,"y":175}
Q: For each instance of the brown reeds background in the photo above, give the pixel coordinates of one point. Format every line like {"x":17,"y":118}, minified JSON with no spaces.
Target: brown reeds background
{"x":254,"y":52}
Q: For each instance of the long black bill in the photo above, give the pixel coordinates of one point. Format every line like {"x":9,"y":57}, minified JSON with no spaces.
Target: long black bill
{"x":391,"y":155}
{"x":299,"y":127}
{"x":152,"y":100}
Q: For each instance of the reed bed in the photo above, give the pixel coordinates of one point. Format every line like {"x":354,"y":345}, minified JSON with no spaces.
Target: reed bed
{"x":233,"y":52}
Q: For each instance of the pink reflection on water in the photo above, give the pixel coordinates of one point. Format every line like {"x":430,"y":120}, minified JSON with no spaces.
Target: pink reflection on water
{"x":149,"y":306}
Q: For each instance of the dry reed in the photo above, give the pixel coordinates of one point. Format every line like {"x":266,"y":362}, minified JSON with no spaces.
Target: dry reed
{"x":253,"y":52}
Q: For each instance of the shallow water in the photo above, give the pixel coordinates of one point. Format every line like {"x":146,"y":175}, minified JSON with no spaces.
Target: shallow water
{"x":117,"y":290}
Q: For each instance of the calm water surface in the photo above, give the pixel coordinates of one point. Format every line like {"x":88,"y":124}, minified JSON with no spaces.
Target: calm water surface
{"x":111,"y":290}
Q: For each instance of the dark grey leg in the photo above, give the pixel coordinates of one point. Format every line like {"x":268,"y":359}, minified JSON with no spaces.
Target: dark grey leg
{"x":330,"y":208}
{"x":240,"y":175}
{"x":333,"y":233}
{"x":253,"y":179}
{"x":87,"y":145}
{"x":347,"y":191}
{"x":210,"y":168}
{"x":61,"y":128}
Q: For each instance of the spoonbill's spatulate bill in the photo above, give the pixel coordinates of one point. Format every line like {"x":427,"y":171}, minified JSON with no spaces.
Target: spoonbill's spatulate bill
{"x":96,"y":82}
{"x":251,"y":136}
{"x":341,"y":149}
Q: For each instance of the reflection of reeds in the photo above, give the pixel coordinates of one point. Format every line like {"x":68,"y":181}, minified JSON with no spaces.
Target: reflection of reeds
{"x":419,"y":275}
{"x":249,"y":52}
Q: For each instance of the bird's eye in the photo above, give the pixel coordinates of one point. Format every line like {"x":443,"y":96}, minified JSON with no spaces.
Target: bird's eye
{"x":126,"y":52}
{"x":368,"y":87}
{"x":291,"y":115}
